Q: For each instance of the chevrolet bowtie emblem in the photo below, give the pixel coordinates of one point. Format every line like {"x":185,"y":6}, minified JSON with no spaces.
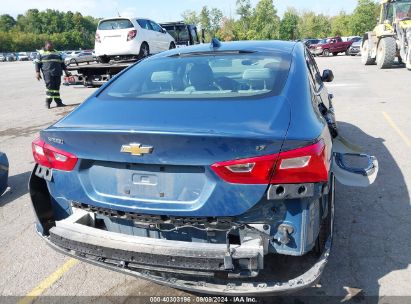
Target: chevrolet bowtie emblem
{"x":136,"y":149}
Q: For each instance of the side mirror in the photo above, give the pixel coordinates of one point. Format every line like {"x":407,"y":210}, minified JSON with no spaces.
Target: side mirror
{"x":163,"y":30}
{"x":328,"y":76}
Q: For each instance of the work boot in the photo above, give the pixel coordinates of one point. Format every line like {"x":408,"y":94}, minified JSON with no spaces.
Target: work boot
{"x":48,"y":103}
{"x":60,"y":104}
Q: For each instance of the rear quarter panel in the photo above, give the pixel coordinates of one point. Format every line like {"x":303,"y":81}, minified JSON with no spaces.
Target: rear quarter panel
{"x":306,"y":123}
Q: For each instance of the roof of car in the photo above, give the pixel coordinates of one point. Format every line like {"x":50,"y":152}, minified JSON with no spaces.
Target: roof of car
{"x":259,"y":46}
{"x":127,"y":18}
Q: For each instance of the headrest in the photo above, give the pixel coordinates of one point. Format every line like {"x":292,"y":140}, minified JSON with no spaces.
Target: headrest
{"x":162,"y":76}
{"x":201,"y":76}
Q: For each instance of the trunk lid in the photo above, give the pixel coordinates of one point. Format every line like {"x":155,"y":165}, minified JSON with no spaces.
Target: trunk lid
{"x":186,"y":138}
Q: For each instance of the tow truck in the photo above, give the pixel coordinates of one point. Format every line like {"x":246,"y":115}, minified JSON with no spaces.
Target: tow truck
{"x":94,"y":75}
{"x":184,"y":34}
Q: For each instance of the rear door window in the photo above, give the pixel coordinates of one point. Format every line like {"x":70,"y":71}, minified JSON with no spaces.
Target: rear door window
{"x":115,"y":24}
{"x":144,"y":24}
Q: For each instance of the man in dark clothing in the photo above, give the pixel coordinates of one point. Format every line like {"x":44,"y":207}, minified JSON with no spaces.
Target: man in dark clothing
{"x":51,"y":63}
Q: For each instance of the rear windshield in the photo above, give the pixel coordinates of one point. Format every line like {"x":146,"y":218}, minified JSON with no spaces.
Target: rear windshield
{"x":203,"y":76}
{"x":115,"y":24}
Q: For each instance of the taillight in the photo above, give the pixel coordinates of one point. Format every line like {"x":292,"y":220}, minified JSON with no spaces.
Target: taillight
{"x":257,"y":170}
{"x":98,"y":39}
{"x":131,"y":35}
{"x":309,"y":164}
{"x":304,"y":165}
{"x":51,"y":157}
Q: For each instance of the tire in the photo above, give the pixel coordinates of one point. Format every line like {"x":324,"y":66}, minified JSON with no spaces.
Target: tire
{"x":144,"y":50}
{"x":327,"y":223}
{"x":335,"y":54}
{"x":347,"y":53}
{"x":386,"y":52}
{"x":104,"y":59}
{"x":366,"y":54}
{"x":172,"y":45}
{"x":326,"y":53}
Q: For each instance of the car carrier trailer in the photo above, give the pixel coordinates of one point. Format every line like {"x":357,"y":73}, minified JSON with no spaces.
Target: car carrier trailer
{"x":92,"y":75}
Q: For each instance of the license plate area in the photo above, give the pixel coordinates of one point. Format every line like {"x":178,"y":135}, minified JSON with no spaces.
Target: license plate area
{"x":148,"y":182}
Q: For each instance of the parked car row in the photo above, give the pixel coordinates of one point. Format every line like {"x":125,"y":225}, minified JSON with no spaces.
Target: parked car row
{"x":8,"y":57}
{"x":19,"y":56}
{"x":70,"y":57}
{"x":334,"y":45}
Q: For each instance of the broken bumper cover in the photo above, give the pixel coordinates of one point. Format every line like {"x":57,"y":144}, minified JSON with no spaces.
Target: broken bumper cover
{"x":182,"y":265}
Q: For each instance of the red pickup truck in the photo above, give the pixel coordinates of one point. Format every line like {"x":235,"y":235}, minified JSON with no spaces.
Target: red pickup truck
{"x":329,"y":46}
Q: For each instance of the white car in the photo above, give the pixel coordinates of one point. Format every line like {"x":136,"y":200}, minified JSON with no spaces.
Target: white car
{"x":77,"y":57}
{"x":130,"y":38}
{"x":22,"y":56}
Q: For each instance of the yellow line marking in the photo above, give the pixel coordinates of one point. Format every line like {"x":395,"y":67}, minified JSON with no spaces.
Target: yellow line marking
{"x":47,"y":282}
{"x":404,"y":137}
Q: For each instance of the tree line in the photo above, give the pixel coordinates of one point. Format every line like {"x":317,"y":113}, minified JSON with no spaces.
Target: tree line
{"x":28,"y":32}
{"x":70,"y":30}
{"x":262,"y":22}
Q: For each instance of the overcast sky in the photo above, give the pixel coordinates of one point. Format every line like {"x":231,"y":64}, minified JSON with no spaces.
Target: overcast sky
{"x":162,"y":10}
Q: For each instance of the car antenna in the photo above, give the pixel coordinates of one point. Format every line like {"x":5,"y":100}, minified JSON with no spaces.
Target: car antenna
{"x":215,"y":43}
{"x":118,"y":13}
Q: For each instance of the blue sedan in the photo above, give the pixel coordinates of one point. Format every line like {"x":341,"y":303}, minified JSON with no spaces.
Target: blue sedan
{"x":199,"y":168}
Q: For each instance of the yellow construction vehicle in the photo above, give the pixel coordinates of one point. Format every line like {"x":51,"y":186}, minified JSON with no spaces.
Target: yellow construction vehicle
{"x":391,"y":38}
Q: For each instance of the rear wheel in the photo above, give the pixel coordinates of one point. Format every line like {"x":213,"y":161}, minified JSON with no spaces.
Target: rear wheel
{"x":104,"y":59}
{"x":326,"y":53}
{"x":366,"y":53}
{"x":144,"y":50}
{"x":386,"y":52}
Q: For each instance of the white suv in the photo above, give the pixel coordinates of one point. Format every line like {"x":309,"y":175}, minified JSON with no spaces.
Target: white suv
{"x":130,"y":37}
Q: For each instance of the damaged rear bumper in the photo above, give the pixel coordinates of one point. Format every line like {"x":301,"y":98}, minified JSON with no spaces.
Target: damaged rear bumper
{"x":187,"y":266}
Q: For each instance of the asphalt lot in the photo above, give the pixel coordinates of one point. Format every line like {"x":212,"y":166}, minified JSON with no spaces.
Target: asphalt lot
{"x":372,"y":245}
